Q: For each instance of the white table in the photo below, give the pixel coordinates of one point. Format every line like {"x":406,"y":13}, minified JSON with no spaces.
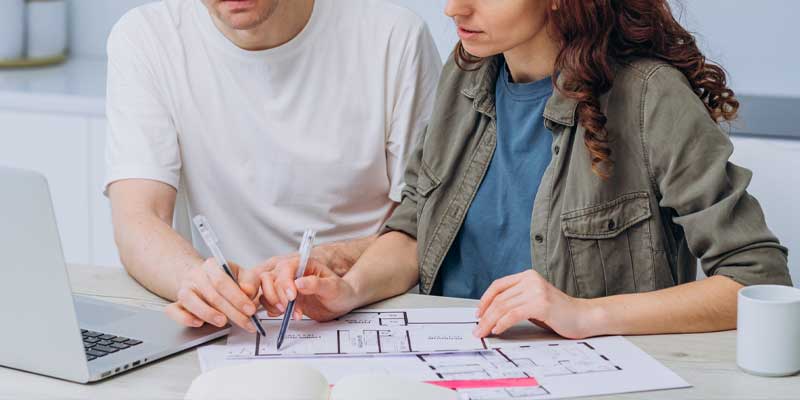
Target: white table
{"x":707,"y":361}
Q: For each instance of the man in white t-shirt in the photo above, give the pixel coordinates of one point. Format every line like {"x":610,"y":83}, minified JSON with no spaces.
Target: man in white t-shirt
{"x":273,"y":116}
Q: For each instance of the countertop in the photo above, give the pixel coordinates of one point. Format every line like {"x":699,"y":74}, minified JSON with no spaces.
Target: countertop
{"x":79,"y":87}
{"x":707,"y":360}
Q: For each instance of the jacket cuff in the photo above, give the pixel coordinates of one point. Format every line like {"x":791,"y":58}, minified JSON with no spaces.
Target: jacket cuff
{"x":765,"y":266}
{"x":403,"y":219}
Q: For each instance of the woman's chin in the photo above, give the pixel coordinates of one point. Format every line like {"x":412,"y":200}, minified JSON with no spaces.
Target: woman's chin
{"x":480,"y":51}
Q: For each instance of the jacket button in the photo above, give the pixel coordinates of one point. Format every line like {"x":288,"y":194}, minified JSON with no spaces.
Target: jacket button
{"x":538,"y":238}
{"x":556,"y":150}
{"x":611,"y":225}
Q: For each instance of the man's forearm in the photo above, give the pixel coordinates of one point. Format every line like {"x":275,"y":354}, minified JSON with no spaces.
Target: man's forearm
{"x":703,"y":306}
{"x":153,"y":253}
{"x":387,"y":268}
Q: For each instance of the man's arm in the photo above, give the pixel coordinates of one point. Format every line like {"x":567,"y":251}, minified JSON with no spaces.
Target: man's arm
{"x":164,"y":262}
{"x":152,"y":252}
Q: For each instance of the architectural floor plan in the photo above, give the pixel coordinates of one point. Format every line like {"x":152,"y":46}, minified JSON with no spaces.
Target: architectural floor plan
{"x":364,"y":333}
{"x":437,"y":346}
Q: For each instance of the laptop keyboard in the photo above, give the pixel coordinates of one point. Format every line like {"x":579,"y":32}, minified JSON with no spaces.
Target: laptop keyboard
{"x":98,"y":344}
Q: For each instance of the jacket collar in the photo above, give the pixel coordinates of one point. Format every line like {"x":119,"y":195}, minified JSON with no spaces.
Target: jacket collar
{"x":480,"y":88}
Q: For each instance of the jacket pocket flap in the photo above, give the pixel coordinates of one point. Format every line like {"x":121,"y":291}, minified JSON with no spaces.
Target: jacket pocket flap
{"x":426,"y":180}
{"x":606,"y":220}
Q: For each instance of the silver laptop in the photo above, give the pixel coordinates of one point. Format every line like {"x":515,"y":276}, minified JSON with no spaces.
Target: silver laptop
{"x":47,"y":330}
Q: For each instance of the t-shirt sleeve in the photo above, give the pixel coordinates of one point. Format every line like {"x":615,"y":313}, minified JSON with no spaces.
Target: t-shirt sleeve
{"x":415,"y":92}
{"x":142,"y":141}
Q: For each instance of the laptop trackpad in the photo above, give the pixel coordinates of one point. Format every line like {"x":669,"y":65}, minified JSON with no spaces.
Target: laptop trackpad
{"x":97,"y":313}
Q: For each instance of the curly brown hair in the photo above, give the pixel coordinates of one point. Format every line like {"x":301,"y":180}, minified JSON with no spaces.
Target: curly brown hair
{"x":595,"y":35}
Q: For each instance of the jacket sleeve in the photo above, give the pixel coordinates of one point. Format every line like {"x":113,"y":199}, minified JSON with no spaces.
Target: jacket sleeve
{"x":404,"y":217}
{"x":688,"y":156}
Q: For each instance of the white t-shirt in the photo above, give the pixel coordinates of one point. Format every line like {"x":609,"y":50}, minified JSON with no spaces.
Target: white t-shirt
{"x":311,"y":134}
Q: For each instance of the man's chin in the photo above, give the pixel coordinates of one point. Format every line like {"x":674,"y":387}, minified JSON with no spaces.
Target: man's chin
{"x":241,"y":20}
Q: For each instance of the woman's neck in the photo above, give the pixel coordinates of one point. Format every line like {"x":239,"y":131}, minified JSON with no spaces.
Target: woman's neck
{"x":283,"y":25}
{"x":532,"y":60}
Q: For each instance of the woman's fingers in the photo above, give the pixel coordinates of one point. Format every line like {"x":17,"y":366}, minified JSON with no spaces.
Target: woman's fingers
{"x":501,"y":305}
{"x":272,"y":302}
{"x":298,"y":310}
{"x":284,"y":280}
{"x":324,"y":288}
{"x":511,"y":318}
{"x":249,"y":283}
{"x":497,"y":287}
{"x":492,"y":315}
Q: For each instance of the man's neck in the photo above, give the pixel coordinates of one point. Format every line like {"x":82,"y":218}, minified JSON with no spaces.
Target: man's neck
{"x":286,"y":22}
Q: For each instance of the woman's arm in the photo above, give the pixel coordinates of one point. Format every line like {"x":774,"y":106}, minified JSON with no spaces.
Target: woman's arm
{"x":703,"y":306}
{"x":387,"y":268}
{"x":688,"y":153}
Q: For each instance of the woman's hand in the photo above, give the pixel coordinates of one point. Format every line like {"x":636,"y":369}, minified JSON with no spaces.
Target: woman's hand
{"x":320,"y":294}
{"x":527,"y":295}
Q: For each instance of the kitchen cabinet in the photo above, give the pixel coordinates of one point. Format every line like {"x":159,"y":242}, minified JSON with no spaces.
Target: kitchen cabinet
{"x":58,"y":147}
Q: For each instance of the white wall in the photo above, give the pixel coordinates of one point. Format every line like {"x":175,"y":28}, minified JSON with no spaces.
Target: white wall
{"x":756,"y":41}
{"x":91,"y":22}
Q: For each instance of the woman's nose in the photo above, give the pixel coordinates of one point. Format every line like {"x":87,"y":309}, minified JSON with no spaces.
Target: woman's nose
{"x":457,"y":8}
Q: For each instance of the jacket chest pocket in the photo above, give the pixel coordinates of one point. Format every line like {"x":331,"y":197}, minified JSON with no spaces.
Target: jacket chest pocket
{"x":608,"y":244}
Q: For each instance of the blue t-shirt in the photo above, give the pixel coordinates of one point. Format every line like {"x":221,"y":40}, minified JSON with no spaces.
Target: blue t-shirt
{"x":494,"y":240}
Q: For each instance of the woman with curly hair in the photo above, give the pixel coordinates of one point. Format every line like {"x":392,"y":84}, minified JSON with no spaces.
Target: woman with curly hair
{"x":573,"y":173}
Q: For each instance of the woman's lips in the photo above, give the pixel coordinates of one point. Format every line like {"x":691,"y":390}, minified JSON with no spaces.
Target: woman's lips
{"x":467,"y":34}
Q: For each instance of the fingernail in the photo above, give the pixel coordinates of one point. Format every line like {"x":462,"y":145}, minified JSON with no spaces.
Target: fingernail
{"x":197,"y":323}
{"x":281,"y":307}
{"x":249,"y":309}
{"x":251,"y":328}
{"x":219,"y":320}
{"x":297,"y":315}
{"x":475,"y":331}
{"x":299,"y":283}
{"x":289,"y":294}
{"x":477,"y":313}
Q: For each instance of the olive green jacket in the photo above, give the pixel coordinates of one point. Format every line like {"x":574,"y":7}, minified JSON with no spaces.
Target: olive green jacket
{"x":673,"y":196}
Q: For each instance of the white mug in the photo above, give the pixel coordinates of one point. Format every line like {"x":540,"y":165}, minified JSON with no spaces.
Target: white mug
{"x":12,"y":29}
{"x":768,"y":337}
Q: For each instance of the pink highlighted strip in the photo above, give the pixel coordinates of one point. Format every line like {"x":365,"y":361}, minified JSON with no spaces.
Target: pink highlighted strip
{"x":486,"y":383}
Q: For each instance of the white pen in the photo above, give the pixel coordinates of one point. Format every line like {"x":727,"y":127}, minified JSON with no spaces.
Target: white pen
{"x":305,"y":252}
{"x":211,"y":240}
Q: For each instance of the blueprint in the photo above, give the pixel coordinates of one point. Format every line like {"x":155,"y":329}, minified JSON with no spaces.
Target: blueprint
{"x":364,"y":332}
{"x":541,"y":369}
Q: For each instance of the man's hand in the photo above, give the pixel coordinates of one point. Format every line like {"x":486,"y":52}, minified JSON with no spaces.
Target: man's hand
{"x":321,"y":294}
{"x":528,"y":296}
{"x":208,"y":295}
